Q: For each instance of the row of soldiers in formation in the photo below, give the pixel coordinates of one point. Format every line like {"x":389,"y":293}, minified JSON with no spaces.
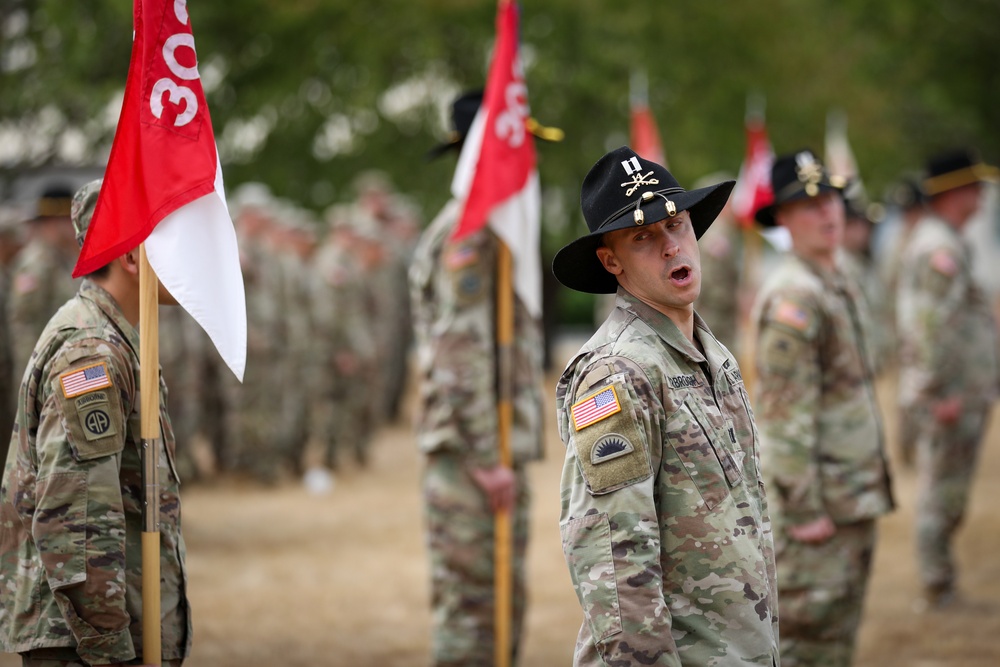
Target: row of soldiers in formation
{"x":328,"y":329}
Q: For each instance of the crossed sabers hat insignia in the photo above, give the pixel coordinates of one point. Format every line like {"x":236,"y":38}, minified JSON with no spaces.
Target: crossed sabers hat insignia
{"x":638,"y":179}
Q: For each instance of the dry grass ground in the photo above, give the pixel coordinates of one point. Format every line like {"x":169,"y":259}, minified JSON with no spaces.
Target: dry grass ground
{"x":282,"y":577}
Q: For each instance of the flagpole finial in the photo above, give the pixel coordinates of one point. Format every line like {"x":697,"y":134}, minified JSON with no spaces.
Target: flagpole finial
{"x":756,"y":106}
{"x":639,"y":87}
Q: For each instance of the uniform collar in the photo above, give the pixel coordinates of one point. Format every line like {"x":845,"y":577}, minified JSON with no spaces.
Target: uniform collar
{"x":96,"y":294}
{"x":830,"y":277}
{"x":662,"y":325}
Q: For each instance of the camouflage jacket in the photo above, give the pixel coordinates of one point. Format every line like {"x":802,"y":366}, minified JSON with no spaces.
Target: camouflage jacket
{"x":665,"y":526}
{"x":948,"y":333}
{"x":453,"y":292}
{"x":71,"y":499}
{"x":820,"y":427}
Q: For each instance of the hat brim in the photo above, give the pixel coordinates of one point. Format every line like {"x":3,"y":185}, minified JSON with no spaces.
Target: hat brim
{"x":577,"y":266}
{"x":765,"y":214}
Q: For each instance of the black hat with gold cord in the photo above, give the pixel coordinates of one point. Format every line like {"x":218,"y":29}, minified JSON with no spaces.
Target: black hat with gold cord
{"x":623,"y":190}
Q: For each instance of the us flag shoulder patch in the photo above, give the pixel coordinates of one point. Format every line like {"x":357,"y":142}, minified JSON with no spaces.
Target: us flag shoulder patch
{"x":84,"y":380}
{"x":595,"y":407}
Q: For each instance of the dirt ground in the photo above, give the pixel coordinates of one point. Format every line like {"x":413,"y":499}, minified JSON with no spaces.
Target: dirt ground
{"x":284,"y":577}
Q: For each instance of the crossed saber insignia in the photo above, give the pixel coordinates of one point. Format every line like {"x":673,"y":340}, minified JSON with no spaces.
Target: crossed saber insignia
{"x":638,"y":180}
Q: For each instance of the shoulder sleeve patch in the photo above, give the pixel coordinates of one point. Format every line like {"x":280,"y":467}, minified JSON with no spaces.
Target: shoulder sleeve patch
{"x":609,"y":447}
{"x":460,"y":256}
{"x":84,"y":380}
{"x":943,"y":262}
{"x":791,"y":314}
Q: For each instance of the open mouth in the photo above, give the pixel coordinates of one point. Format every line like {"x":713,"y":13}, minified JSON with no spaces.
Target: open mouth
{"x":680,"y":274}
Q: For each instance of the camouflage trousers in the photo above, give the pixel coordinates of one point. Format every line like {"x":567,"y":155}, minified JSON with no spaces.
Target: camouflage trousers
{"x":66,"y":657}
{"x":460,"y":540}
{"x":946,"y":463}
{"x":821,"y":590}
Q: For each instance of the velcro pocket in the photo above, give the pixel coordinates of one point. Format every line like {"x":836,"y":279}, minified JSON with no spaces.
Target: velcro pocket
{"x":94,"y":422}
{"x":59,"y":527}
{"x":610,"y":446}
{"x":586,"y":543}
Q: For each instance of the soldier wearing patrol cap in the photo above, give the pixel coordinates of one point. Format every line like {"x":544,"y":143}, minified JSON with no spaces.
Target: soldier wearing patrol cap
{"x":42,"y":275}
{"x":665,"y":524}
{"x":72,"y":492}
{"x":948,"y":361}
{"x":821,"y":434}
{"x":453,"y":292}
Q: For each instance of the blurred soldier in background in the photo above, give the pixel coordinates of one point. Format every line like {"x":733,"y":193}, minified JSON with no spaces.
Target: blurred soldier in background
{"x":254,"y":407}
{"x":182,"y":346}
{"x":722,"y":291}
{"x":948,"y":364}
{"x":453,"y":287}
{"x":295,"y":242}
{"x":859,"y":265}
{"x":821,"y":434}
{"x":11,"y":237}
{"x":378,"y":201}
{"x":342,"y":404}
{"x":42,"y":276}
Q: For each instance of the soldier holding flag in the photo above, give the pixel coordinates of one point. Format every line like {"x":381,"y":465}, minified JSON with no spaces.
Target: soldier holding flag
{"x":72,"y":495}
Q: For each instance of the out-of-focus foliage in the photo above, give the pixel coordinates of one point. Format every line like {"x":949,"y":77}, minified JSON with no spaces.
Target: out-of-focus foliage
{"x":305,"y":94}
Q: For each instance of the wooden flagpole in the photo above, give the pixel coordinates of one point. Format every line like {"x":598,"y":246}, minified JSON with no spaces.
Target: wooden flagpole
{"x":149,"y":387}
{"x":502,"y":519}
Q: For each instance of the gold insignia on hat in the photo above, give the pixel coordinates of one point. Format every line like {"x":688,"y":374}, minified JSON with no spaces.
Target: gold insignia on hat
{"x":637,"y":181}
{"x":809,"y":172}
{"x":671,"y":208}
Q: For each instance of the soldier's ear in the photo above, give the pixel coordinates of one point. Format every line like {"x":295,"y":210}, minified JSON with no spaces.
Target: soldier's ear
{"x":130,"y":262}
{"x":608,"y":259}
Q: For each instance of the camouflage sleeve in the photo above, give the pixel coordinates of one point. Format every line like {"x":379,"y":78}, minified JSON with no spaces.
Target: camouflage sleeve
{"x":79,"y":521}
{"x":465,"y":341}
{"x":788,"y":403}
{"x":938,"y":290}
{"x":609,"y":521}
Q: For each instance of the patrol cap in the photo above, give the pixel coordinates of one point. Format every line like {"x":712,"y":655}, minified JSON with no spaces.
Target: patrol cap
{"x":82,"y":208}
{"x":954,"y":169}
{"x":798,"y":175}
{"x":623,"y":190}
{"x":54,"y":202}
{"x":906,"y":194}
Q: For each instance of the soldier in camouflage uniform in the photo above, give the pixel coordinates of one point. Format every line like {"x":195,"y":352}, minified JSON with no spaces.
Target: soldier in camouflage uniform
{"x":721,"y":265}
{"x":10,"y":244}
{"x":821,"y":435}
{"x":665,"y":524}
{"x":342,"y":409}
{"x":42,"y":277}
{"x":72,"y":494}
{"x":453,"y":288}
{"x":948,"y":365}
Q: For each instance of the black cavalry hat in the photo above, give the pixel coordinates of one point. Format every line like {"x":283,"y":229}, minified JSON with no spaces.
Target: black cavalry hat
{"x":623,"y":190}
{"x":954,"y":169}
{"x":797,"y":175}
{"x":463,"y":112}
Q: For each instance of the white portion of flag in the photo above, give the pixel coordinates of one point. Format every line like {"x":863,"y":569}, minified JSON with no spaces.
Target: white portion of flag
{"x":517,"y":220}
{"x":194,"y":254}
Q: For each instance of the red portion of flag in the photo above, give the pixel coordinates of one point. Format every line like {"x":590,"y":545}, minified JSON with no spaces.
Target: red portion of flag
{"x":645,"y":138}
{"x":164,"y":154}
{"x":753,"y":185}
{"x":507,"y":154}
